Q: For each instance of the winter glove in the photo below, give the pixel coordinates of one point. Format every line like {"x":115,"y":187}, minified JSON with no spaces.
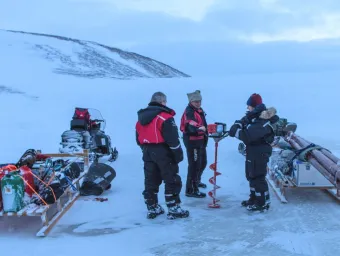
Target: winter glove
{"x":245,"y":121}
{"x":234,"y":129}
{"x":202,"y":128}
{"x":177,"y":154}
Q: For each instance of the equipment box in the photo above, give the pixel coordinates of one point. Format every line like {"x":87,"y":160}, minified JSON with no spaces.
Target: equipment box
{"x":306,"y":175}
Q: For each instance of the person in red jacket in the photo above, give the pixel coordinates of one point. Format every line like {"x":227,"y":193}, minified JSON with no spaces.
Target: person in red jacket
{"x":157,"y":135}
{"x":194,"y":128}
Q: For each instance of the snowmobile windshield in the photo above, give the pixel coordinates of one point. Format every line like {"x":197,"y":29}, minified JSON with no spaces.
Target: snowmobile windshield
{"x":96,"y":116}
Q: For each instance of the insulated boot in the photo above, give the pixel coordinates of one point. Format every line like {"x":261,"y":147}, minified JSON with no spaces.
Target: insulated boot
{"x":250,"y":201}
{"x":176,"y":212}
{"x":262,"y":202}
{"x":195,"y":193}
{"x":202,"y":185}
{"x":258,"y":208}
{"x":154,"y":211}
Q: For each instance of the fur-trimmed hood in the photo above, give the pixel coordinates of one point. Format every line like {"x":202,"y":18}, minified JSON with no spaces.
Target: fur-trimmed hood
{"x":261,"y":112}
{"x":268,"y":113}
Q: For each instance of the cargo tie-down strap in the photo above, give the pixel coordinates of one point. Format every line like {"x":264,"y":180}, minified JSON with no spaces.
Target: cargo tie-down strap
{"x":302,"y":154}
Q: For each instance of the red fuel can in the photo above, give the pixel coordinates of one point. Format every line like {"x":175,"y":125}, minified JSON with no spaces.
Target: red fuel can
{"x":27,"y":175}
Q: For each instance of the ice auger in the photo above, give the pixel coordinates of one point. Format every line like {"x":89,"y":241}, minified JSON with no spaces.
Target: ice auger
{"x":217,"y":131}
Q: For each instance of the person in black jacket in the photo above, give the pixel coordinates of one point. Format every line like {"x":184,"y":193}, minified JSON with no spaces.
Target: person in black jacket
{"x":157,"y":135}
{"x":195,"y":138}
{"x":257,"y":133}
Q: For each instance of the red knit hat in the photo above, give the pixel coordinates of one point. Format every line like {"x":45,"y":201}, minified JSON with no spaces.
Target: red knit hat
{"x":254,"y":100}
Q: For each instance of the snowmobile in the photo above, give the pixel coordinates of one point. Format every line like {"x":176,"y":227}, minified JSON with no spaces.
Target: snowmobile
{"x":87,"y":132}
{"x":281,"y":129}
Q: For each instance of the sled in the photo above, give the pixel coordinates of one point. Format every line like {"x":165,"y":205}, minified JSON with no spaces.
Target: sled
{"x":280,"y":183}
{"x":51,"y":214}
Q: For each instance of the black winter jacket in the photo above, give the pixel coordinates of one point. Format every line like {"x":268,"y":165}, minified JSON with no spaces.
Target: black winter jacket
{"x":257,"y":133}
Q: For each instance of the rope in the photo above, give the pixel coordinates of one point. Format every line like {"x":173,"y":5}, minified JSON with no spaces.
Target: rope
{"x":50,"y":180}
{"x":55,"y":198}
{"x":58,"y":167}
{"x":35,"y":192}
{"x":70,"y":183}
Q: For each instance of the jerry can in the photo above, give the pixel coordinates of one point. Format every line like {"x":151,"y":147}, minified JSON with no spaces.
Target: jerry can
{"x":3,"y":170}
{"x":13,"y":191}
{"x":27,"y":174}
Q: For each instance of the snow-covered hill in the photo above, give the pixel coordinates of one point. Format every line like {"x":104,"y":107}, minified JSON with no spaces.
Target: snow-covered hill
{"x":76,"y":57}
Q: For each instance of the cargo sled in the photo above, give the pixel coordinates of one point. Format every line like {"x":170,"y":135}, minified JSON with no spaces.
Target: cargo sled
{"x":42,"y":185}
{"x":299,"y":164}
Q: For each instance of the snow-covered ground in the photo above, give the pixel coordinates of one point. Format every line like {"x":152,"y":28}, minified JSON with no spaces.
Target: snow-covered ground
{"x":307,"y":225}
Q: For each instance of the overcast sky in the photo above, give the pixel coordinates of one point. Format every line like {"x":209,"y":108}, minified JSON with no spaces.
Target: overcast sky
{"x":135,"y":22}
{"x":209,"y":32}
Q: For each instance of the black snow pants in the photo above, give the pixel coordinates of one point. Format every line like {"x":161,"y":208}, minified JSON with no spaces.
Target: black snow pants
{"x":159,"y":166}
{"x":256,"y":171}
{"x":197,"y":162}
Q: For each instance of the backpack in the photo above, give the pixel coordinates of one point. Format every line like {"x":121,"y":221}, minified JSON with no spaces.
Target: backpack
{"x":81,"y":113}
{"x":81,"y":119}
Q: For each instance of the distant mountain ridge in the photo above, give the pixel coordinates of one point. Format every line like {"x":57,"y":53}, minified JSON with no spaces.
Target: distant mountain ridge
{"x":85,"y":58}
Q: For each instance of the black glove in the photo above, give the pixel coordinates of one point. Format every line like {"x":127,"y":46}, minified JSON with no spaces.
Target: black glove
{"x":234,"y":128}
{"x":245,"y":121}
{"x":177,"y":154}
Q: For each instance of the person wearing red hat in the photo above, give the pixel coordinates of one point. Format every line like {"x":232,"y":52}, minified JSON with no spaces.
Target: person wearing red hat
{"x":256,"y":132}
{"x":254,"y":100}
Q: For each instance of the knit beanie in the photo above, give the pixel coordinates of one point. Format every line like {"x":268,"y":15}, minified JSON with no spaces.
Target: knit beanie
{"x":254,"y":100}
{"x":194,"y":96}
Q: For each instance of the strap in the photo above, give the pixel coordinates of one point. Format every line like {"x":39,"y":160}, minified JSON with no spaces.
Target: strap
{"x":302,"y":153}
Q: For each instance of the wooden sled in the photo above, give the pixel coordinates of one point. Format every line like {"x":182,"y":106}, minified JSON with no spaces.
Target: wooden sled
{"x":280,"y":184}
{"x":50,"y":214}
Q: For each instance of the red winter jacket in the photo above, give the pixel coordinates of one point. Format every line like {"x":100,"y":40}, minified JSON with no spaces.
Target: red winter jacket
{"x":192,"y":119}
{"x":156,"y":125}
{"x":151,"y":133}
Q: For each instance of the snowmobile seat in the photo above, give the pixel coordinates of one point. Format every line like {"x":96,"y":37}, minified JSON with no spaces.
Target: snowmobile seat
{"x":81,"y":124}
